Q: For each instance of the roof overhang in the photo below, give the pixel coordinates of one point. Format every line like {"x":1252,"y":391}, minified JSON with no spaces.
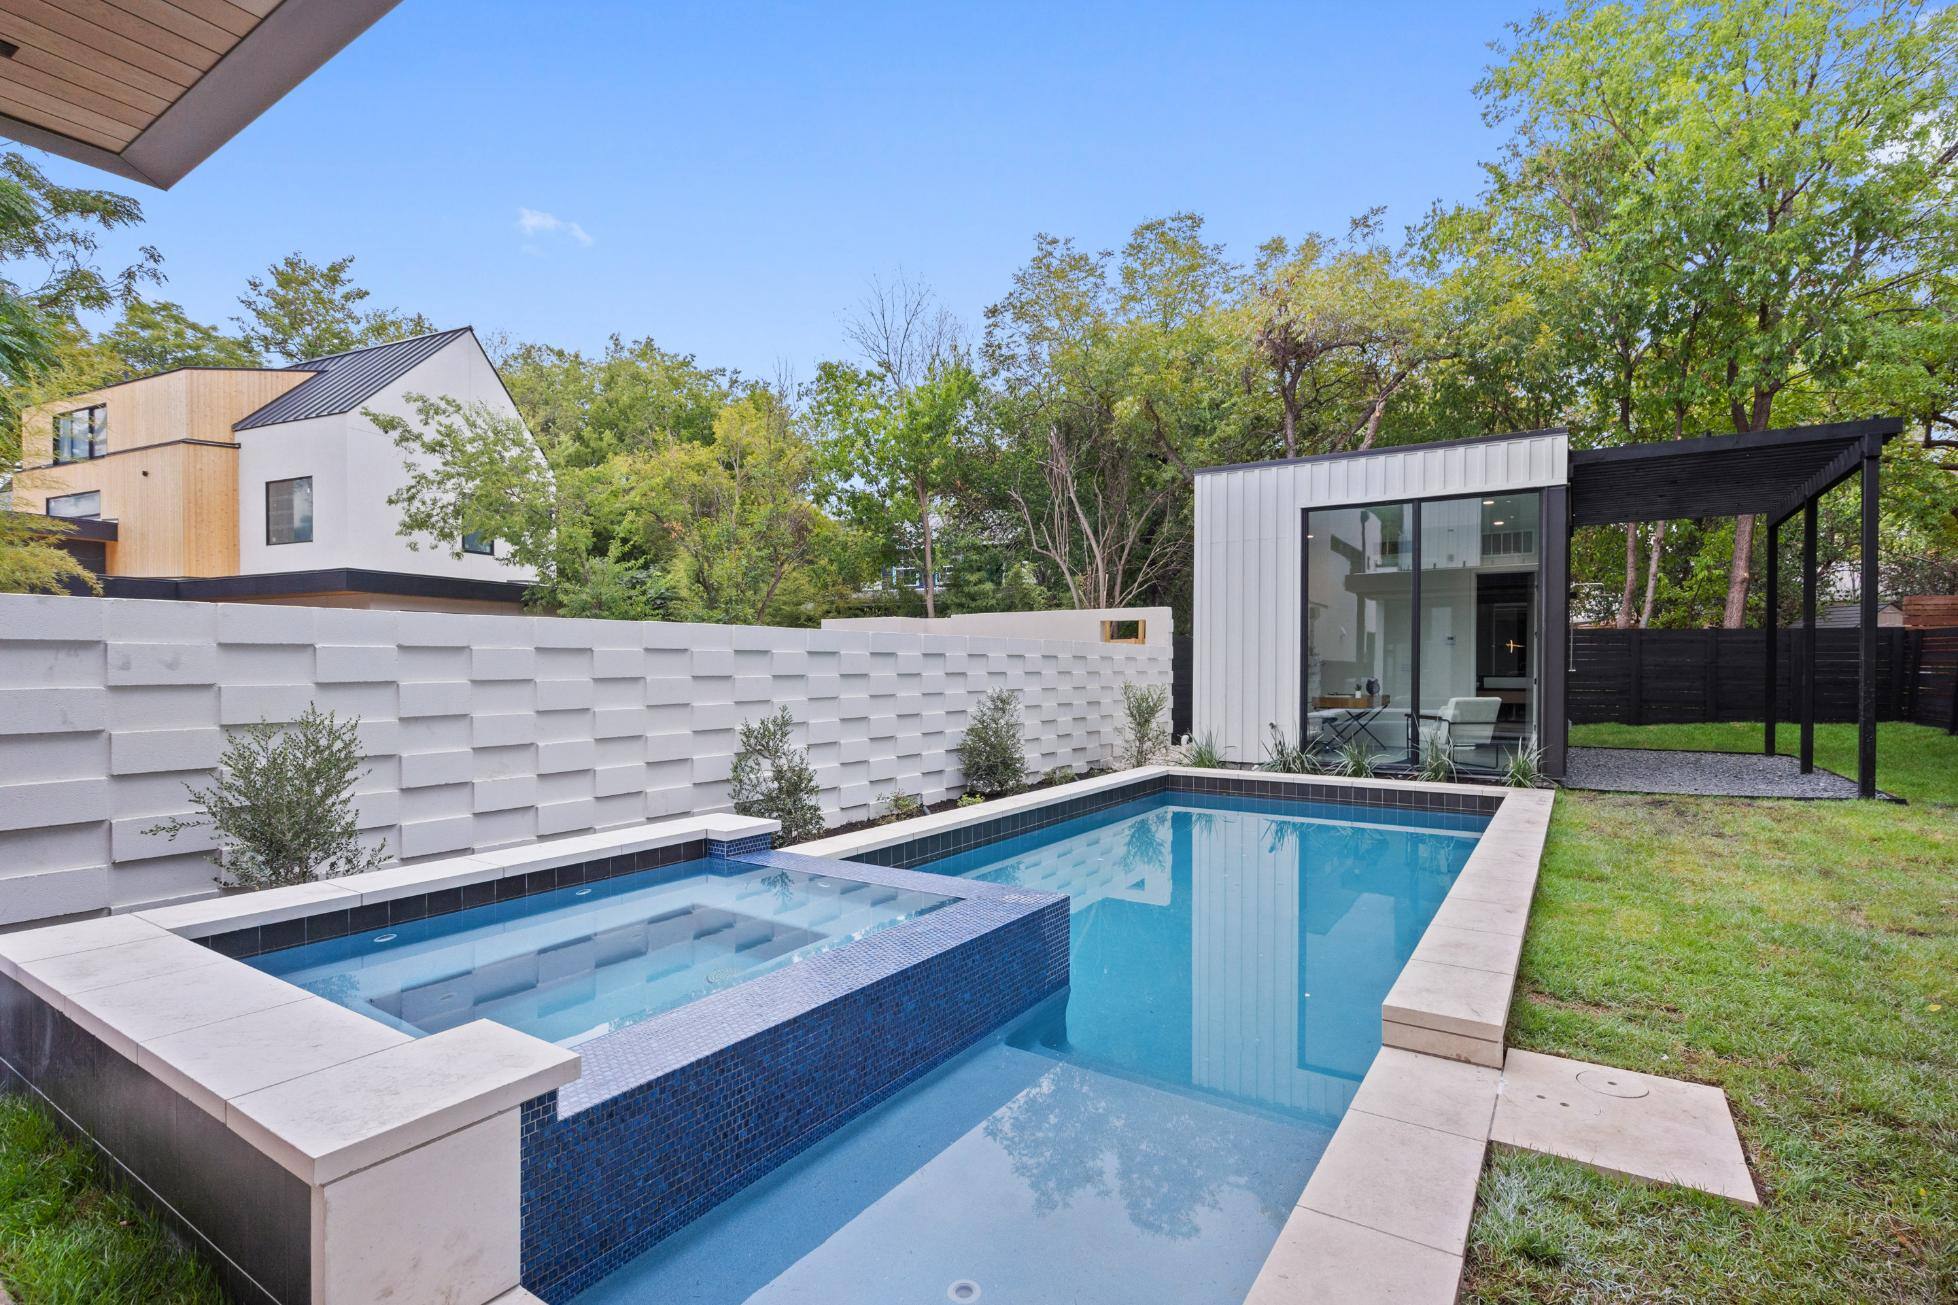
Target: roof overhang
{"x":293,"y":584}
{"x":1769,"y":473}
{"x":149,"y":89}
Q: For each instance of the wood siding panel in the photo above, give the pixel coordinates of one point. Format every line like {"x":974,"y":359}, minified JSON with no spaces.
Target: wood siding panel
{"x":193,"y":403}
{"x":175,"y":505}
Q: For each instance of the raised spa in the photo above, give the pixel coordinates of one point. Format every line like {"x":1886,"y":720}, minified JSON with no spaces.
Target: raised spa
{"x":582,"y":961}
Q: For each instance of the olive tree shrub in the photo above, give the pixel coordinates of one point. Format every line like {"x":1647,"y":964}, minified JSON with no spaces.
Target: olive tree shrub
{"x":1144,"y":738}
{"x":772,"y":778}
{"x":991,"y":753}
{"x":281,"y":804}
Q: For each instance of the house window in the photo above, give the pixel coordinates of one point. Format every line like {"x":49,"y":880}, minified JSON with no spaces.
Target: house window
{"x":289,"y":511}
{"x":81,"y":434}
{"x":76,"y":507}
{"x":478,"y":542}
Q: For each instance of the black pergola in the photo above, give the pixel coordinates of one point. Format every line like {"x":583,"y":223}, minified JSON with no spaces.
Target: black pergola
{"x":1775,"y":474}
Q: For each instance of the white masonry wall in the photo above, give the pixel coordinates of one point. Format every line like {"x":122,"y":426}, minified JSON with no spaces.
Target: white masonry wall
{"x":480,"y":731}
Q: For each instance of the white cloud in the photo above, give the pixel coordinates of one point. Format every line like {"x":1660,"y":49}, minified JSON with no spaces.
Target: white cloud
{"x":531,"y":222}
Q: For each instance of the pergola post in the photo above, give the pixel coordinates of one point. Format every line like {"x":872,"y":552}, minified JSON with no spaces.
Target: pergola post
{"x":1774,"y":608}
{"x":1808,"y":637}
{"x":1866,"y":652}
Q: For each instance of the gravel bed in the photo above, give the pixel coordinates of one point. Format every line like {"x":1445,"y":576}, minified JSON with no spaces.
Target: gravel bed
{"x":1707,"y":774}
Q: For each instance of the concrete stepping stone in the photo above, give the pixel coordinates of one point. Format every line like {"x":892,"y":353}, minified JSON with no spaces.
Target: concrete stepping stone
{"x":1658,"y":1129}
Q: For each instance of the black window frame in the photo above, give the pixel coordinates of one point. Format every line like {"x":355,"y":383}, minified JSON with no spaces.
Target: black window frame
{"x":47,"y":508}
{"x":270,"y":485}
{"x":98,"y":434}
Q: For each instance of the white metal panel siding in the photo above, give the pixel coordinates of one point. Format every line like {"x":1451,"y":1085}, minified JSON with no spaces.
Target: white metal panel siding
{"x":1245,"y":604}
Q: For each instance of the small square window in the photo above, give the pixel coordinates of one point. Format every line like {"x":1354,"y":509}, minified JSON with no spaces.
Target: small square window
{"x":478,"y":542}
{"x":76,"y":507}
{"x":289,"y":511}
{"x":81,"y":434}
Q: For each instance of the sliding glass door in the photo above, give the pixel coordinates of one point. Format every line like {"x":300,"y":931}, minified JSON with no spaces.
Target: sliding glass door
{"x":1421,"y":629}
{"x":1359,"y":663}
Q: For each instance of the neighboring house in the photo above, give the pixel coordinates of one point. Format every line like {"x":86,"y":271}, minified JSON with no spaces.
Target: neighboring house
{"x":264,"y":485}
{"x":1844,"y":616}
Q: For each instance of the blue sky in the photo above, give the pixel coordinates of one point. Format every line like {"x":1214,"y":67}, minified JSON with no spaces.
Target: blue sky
{"x":727,"y":178}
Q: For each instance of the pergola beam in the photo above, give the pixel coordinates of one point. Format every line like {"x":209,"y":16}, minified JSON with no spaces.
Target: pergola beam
{"x":1808,"y":638}
{"x":1866,"y":645}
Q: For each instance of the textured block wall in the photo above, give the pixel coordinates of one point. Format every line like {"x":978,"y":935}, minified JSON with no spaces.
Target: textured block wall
{"x":480,"y":731}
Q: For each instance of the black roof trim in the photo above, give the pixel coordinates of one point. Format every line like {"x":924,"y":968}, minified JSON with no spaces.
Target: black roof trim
{"x":281,"y":584}
{"x":1383,"y":449}
{"x":1826,"y":432}
{"x":343,"y":381}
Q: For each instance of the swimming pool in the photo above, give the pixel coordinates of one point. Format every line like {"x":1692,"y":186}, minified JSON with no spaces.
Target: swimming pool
{"x":590,"y":959}
{"x":1143,"y":1136}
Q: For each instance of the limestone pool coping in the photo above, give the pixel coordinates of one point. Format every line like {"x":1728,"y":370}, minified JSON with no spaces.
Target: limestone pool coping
{"x":320,"y":1089}
{"x":1385,"y":1215}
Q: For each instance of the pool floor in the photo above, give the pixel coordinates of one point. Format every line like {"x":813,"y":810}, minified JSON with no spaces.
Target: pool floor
{"x":1139,"y":1138}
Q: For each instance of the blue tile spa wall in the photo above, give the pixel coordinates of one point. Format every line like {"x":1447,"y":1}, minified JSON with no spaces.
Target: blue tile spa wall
{"x":674,"y":1115}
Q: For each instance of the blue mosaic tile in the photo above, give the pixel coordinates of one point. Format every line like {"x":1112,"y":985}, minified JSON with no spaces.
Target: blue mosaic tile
{"x":675,"y":1114}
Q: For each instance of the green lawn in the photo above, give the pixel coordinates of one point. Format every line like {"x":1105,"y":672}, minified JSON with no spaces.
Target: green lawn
{"x":1802,"y":956}
{"x":1913,"y":761}
{"x":70,"y":1235}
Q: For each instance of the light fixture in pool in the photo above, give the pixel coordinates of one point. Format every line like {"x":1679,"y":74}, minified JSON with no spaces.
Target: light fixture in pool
{"x":383,"y":937}
{"x":965,"y":1289}
{"x":582,"y":892}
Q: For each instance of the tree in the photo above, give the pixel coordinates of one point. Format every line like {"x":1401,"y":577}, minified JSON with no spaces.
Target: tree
{"x":1779,"y":183}
{"x":1113,"y":378}
{"x":635,"y":396}
{"x":300,"y":310}
{"x":49,"y":238}
{"x":887,"y":452}
{"x":157,"y":336}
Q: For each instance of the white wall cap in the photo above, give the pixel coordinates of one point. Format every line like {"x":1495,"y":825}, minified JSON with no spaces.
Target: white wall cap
{"x":325,"y":1125}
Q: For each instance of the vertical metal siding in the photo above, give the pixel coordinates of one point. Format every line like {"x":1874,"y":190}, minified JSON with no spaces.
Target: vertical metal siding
{"x":1245,"y":602}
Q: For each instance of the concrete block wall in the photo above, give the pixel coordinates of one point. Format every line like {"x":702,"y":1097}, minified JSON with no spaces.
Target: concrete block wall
{"x":479,"y":731}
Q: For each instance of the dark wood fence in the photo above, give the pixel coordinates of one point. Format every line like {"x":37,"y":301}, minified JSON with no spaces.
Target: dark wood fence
{"x":1182,"y":681}
{"x":1650,"y":677}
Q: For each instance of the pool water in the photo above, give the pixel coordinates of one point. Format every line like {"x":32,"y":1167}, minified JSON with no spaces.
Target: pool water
{"x":1139,"y":1138}
{"x":577,"y":962}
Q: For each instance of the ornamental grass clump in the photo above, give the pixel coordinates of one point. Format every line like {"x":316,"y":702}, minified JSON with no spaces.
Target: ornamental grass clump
{"x":772,"y":778}
{"x":281,"y":805}
{"x":991,"y":754}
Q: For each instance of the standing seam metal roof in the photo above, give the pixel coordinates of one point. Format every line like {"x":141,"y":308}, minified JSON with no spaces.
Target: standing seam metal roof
{"x":346,"y":380}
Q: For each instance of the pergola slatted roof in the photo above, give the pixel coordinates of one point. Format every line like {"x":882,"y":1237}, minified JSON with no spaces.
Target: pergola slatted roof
{"x":1768,"y":473}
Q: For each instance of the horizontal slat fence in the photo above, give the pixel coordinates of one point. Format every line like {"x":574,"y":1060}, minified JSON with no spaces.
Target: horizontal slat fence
{"x":1652,"y":677}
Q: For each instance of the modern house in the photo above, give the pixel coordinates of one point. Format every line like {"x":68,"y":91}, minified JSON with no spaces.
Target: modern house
{"x":264,"y":485}
{"x":1417,"y":597}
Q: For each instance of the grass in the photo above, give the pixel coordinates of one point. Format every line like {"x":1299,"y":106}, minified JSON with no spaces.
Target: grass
{"x":1804,"y":958}
{"x":70,"y":1234}
{"x":1912,"y":761}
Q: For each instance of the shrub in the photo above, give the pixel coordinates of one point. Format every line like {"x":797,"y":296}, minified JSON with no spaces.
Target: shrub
{"x":970,"y":799}
{"x":1523,"y":768}
{"x":991,"y":753}
{"x":772,"y":778}
{"x":1205,"y":753}
{"x":899,"y":806}
{"x":1284,"y":757}
{"x":281,"y":804}
{"x":1437,"y":761}
{"x":1144,"y":733}
{"x":1353,"y":759}
{"x":1059,"y":775}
